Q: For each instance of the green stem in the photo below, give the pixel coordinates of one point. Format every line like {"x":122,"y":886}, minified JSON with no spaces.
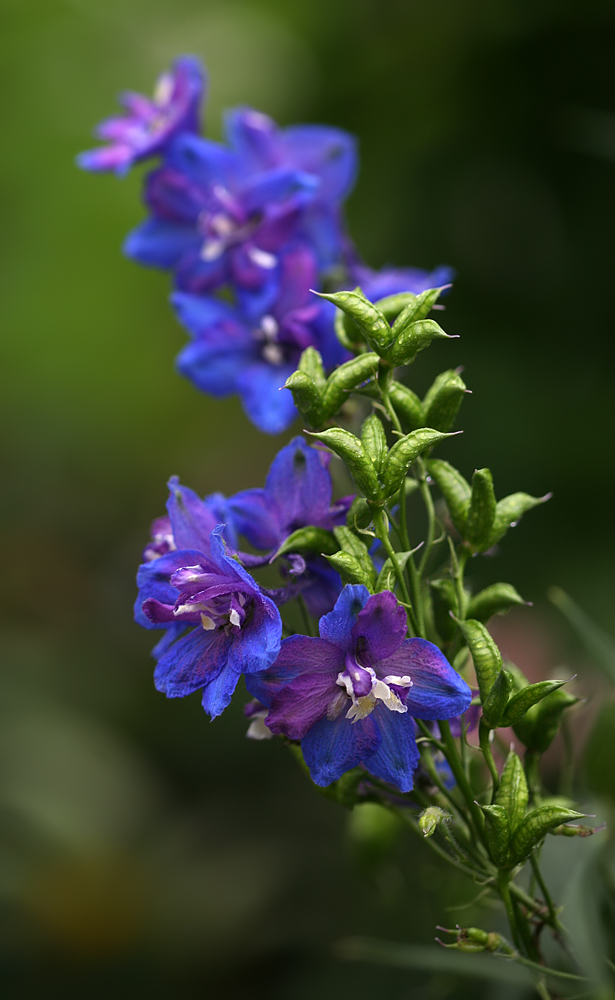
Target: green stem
{"x":383,"y":535}
{"x":546,"y":895}
{"x":502,"y":883}
{"x":485,"y":746}
{"x":307,"y":624}
{"x":460,"y":777}
{"x":431,"y":514}
{"x":532,"y":773}
{"x":458,"y":563}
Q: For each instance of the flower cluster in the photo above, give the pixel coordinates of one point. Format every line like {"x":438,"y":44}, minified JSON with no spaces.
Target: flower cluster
{"x":248,"y":229}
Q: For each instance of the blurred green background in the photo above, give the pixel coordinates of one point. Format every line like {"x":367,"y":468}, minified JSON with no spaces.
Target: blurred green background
{"x":143,"y":850}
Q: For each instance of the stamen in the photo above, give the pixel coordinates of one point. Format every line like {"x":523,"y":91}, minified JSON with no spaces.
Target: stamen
{"x":207,"y":623}
{"x":234,"y":617}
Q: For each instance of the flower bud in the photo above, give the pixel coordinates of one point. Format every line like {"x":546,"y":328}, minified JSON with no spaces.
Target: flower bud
{"x":512,"y":792}
{"x":495,"y":703}
{"x":521,"y":703}
{"x":307,"y":397}
{"x":534,"y":828}
{"x":485,"y":655}
{"x":309,"y":539}
{"x":481,"y":511}
{"x":374,"y":440}
{"x":407,"y":405}
{"x":429,"y":819}
{"x":413,"y":338}
{"x":355,"y":458}
{"x":344,"y":379}
{"x":442,"y":401}
{"x":404,"y":452}
{"x":493,"y":600}
{"x":497,"y":832}
{"x":370,"y":322}
{"x":454,"y":488}
{"x":538,"y":728}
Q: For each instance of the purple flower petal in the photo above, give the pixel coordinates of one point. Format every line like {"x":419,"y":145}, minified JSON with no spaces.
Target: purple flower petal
{"x":437,"y":692}
{"x":331,"y":748}
{"x":218,"y":693}
{"x":299,"y":486}
{"x":268,"y":405}
{"x":397,"y":756}
{"x":192,"y":662}
{"x":381,"y":627}
{"x":300,"y":704}
{"x":337,"y":626}
{"x":328,"y":153}
{"x":191,"y":519}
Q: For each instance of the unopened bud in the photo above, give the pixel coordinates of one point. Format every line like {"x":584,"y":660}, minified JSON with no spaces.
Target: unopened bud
{"x":429,"y":819}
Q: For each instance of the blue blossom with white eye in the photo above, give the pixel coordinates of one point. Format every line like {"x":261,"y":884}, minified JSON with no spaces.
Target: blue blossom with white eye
{"x":351,"y":695}
{"x":149,"y":125}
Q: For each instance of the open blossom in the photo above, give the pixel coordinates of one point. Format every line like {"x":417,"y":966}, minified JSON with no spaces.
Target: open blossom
{"x":350,"y":696}
{"x":196,"y":584}
{"x":232,"y":350}
{"x":149,"y":125}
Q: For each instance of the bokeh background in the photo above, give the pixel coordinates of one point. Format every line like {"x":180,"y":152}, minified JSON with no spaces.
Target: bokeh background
{"x":143,"y":850}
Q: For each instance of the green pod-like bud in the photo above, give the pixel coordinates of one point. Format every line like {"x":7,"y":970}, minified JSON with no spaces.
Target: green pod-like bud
{"x":493,"y":600}
{"x":454,"y":488}
{"x":512,"y":793}
{"x":414,"y":338}
{"x":417,"y":308}
{"x":307,"y":397}
{"x":350,"y":569}
{"x":481,"y":511}
{"x":444,"y":600}
{"x":485,"y":655}
{"x":309,"y":539}
{"x":355,"y":458}
{"x":495,"y":703}
{"x":393,"y":305}
{"x":387,"y":578}
{"x":347,"y":332}
{"x":369,"y":320}
{"x":344,"y":379}
{"x":534,"y":828}
{"x":497,"y":833}
{"x":442,"y":401}
{"x":510,"y":510}
{"x":520,"y":704}
{"x":310,"y":362}
{"x":354,"y":546}
{"x":360,"y":514}
{"x":429,"y":820}
{"x":407,"y":405}
{"x":373,"y":439}
{"x":404,"y":452}
{"x":538,"y":728}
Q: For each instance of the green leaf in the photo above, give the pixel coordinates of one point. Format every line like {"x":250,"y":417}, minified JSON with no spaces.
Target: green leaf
{"x":344,"y":379}
{"x":512,"y":792}
{"x":350,"y":569}
{"x":309,"y":539}
{"x":493,"y":600}
{"x":374,"y":440}
{"x":481,"y":511}
{"x":485,"y":654}
{"x":495,"y":703}
{"x":497,"y":832}
{"x":387,"y":578}
{"x":534,"y":828}
{"x":404,"y":452}
{"x":356,"y":460}
{"x":510,"y":510}
{"x":442,"y":401}
{"x":310,"y":362}
{"x":407,"y":405}
{"x":454,"y":488}
{"x":520,"y":703}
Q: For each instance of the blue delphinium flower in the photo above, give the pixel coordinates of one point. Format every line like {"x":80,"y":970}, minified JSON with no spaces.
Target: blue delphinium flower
{"x":149,"y":125}
{"x":351,"y":695}
{"x":393,"y":280}
{"x":297,"y":493}
{"x":231,"y":351}
{"x":195,"y":583}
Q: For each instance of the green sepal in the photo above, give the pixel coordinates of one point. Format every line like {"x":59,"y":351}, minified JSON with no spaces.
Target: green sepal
{"x":454,"y":488}
{"x":510,"y":510}
{"x":387,"y":578}
{"x":494,"y":705}
{"x":344,"y":379}
{"x":534,"y":828}
{"x":360,"y":514}
{"x":493,"y":600}
{"x":373,"y":439}
{"x":407,"y":405}
{"x":444,"y":600}
{"x":350,"y":569}
{"x":485,"y":654}
{"x":354,"y":546}
{"x":310,"y":362}
{"x":404,"y":452}
{"x":355,"y":458}
{"x":512,"y":792}
{"x":538,"y":728}
{"x":369,"y":320}
{"x":497,"y":833}
{"x":309,"y":539}
{"x":307,"y":397}
{"x":443,"y":399}
{"x":481,"y":511}
{"x":521,"y":702}
{"x":413,"y":338}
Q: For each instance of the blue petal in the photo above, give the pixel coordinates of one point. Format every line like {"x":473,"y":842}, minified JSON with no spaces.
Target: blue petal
{"x":203,"y":161}
{"x":298,"y":653}
{"x":268,"y":405}
{"x":199,"y":312}
{"x":337,"y":626}
{"x":328,"y":153}
{"x":156,"y":243}
{"x":172,"y":633}
{"x":191,"y":519}
{"x":299,"y":486}
{"x":153,"y":581}
{"x":397,"y":756}
{"x":210,"y":370}
{"x":253,"y":135}
{"x":258,"y":643}
{"x":270,"y":186}
{"x":257,"y":518}
{"x":218,"y":693}
{"x":192,"y":662}
{"x":437,"y":692}
{"x":332,"y":748}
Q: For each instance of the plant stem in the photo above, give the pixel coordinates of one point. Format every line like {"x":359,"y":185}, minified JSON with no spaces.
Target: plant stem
{"x":383,"y":535}
{"x":546,"y":895}
{"x":460,"y":777}
{"x":485,"y":746}
{"x":431,"y":514}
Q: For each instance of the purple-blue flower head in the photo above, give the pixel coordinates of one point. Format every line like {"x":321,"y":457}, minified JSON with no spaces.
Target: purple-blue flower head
{"x":195,"y":583}
{"x":393,"y":280}
{"x":351,"y":695}
{"x":253,"y":355}
{"x":149,"y":125}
